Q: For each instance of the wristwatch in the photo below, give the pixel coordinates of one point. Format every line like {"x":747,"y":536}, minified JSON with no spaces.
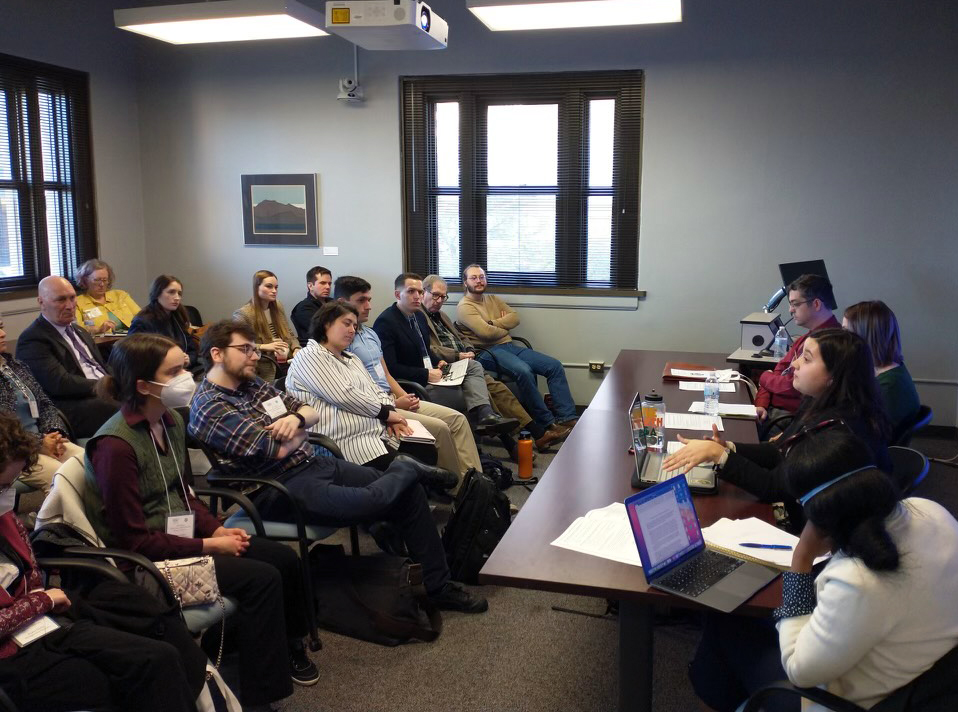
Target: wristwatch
{"x":302,"y":420}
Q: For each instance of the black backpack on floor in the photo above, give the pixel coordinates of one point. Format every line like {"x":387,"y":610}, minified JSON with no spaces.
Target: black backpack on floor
{"x":480,"y":517}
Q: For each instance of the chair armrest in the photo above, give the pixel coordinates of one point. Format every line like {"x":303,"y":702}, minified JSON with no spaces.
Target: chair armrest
{"x":326,"y":442}
{"x":492,"y":357}
{"x":298,"y":519}
{"x":521,"y":340}
{"x":131,"y":556}
{"x":238,"y":498}
{"x":100,"y":567}
{"x":823,"y":697}
{"x":412,"y":386}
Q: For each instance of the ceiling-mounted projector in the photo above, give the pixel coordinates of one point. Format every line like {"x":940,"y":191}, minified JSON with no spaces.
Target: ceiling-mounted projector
{"x":387,"y":24}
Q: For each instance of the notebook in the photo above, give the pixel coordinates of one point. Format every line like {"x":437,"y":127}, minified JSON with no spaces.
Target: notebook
{"x":673,"y":552}
{"x":648,"y":465}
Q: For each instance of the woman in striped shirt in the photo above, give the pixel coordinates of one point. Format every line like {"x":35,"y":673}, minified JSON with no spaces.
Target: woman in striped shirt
{"x":352,"y":409}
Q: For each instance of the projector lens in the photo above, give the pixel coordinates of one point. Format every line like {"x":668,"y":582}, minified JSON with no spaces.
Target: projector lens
{"x":425,"y":19}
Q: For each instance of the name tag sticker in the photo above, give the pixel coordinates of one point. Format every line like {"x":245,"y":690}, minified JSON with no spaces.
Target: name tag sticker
{"x":34,"y":630}
{"x":380,"y":371}
{"x":93,"y":313}
{"x":181,"y":524}
{"x":427,"y":362}
{"x":274,"y":407}
{"x":34,"y":409}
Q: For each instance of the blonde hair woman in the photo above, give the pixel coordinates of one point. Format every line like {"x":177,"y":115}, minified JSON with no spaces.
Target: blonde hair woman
{"x":274,"y":336}
{"x":101,"y":308}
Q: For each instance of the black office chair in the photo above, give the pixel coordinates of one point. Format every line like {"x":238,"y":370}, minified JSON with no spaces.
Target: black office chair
{"x":909,"y":468}
{"x":193,"y":314}
{"x":906,"y":431}
{"x":935,"y":690}
{"x":304,"y":535}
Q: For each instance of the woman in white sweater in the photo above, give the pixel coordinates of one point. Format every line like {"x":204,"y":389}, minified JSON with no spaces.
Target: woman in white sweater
{"x":881,"y":611}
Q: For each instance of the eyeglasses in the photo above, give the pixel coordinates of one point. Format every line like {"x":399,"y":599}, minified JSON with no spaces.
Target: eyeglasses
{"x":100,"y":281}
{"x":476,"y":278}
{"x":788,"y":443}
{"x":439,"y":297}
{"x":247,"y":349}
{"x":796,"y":305}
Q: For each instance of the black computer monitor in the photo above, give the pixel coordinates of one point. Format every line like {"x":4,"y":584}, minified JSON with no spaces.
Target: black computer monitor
{"x":791,"y":271}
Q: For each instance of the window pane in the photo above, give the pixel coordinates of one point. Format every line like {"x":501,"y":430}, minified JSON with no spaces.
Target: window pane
{"x":523,"y":144}
{"x":53,"y":138}
{"x":6,"y":166}
{"x":60,"y":232}
{"x":447,"y":219}
{"x":521,"y":233}
{"x":11,"y":256}
{"x":447,"y":145}
{"x":600,"y":238}
{"x":601,"y":132}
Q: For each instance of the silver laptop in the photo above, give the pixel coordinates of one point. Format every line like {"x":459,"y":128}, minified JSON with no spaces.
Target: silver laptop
{"x":674,"y":556}
{"x":648,"y":465}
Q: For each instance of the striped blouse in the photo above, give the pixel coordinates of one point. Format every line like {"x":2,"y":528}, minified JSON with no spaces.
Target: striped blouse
{"x":351,"y":406}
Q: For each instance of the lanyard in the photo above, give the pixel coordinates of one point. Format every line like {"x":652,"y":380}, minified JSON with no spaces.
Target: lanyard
{"x":179,"y":473}
{"x":15,"y":379}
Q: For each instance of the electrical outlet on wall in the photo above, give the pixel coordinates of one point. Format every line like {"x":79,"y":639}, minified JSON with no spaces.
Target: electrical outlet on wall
{"x":596,"y":366}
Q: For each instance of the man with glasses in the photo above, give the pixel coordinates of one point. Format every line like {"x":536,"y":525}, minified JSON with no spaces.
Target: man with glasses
{"x":487,"y":321}
{"x":319,"y":282}
{"x":810,"y":302}
{"x":64,"y":359}
{"x":404,"y":335}
{"x":256,"y":429}
{"x":448,"y":343}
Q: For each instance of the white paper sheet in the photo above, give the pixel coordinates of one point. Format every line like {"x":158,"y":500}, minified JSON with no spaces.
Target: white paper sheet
{"x":700,"y":386}
{"x":605,"y":533}
{"x":691,"y":421}
{"x":730,"y":410}
{"x":723,"y":375}
{"x":455,"y":375}
{"x":731,"y":533}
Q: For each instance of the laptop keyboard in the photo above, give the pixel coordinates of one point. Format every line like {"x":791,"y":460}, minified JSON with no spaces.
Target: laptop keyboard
{"x":698,"y":575}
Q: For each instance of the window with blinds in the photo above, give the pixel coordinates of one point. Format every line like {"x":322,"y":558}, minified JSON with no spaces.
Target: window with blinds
{"x":47,"y":221}
{"x":534,"y":176}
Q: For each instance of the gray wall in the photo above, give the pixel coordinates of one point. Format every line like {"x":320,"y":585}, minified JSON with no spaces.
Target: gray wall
{"x":80,"y":35}
{"x":775,"y":130}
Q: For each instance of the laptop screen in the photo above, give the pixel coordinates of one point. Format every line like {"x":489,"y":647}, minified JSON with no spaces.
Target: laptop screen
{"x":665,"y":525}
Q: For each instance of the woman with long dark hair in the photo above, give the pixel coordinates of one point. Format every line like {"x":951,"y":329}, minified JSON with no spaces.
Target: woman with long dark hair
{"x":878,"y":614}
{"x":275,"y":338}
{"x":138,"y":477}
{"x":877,"y":325}
{"x":836,"y":376}
{"x":164,"y":314}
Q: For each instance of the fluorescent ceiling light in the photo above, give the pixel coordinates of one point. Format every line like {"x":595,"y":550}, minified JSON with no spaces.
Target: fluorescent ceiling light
{"x":222,"y":21}
{"x":555,"y":14}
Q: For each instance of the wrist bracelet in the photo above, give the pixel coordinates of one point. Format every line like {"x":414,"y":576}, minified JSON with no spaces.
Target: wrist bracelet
{"x":302,"y":420}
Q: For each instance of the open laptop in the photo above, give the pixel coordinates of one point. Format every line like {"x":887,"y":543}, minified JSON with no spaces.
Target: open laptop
{"x":674,"y":556}
{"x":648,"y":465}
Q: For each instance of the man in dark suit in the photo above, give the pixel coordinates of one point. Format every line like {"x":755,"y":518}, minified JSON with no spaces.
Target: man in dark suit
{"x":404,"y":333}
{"x":64,"y":359}
{"x":319,"y":282}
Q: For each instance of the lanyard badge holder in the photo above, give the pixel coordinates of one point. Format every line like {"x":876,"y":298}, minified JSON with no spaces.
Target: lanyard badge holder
{"x":181,"y":524}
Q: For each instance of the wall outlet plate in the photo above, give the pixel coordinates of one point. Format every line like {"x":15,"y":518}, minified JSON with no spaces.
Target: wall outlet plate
{"x":596,"y":366}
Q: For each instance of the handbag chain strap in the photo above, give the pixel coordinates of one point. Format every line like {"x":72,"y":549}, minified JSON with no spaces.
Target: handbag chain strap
{"x":219,"y":599}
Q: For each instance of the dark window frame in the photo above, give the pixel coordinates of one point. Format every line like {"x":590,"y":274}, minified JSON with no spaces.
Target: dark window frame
{"x":23,"y":81}
{"x":572,"y":92}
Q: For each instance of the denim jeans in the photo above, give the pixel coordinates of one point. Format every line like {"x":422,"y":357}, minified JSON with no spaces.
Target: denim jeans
{"x":524,"y":365}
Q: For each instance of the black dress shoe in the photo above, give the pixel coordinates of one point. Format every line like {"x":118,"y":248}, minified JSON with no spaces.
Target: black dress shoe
{"x":429,"y":475}
{"x":453,"y":597}
{"x":495,"y":424}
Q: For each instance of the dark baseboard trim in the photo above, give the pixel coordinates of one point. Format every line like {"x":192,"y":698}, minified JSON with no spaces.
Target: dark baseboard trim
{"x":946,"y":432}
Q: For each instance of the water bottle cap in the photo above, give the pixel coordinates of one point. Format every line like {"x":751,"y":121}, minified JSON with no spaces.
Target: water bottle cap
{"x":525,"y":435}
{"x":654,"y":397}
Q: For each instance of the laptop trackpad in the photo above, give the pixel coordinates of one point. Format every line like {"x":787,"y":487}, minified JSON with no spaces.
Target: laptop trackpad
{"x":739,"y":586}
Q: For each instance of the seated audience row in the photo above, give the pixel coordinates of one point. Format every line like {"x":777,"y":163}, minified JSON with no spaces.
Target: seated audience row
{"x":265,"y":315}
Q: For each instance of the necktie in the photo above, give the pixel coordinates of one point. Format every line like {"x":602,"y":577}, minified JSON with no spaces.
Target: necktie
{"x":81,"y":350}
{"x":414,"y":324}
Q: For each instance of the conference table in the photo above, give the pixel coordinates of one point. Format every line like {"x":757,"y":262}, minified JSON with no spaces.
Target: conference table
{"x":593,"y":469}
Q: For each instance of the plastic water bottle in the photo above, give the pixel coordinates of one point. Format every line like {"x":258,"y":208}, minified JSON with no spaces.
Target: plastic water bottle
{"x":711,"y":392}
{"x":780,"y":345}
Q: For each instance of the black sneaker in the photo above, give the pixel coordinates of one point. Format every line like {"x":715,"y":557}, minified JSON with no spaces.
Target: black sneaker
{"x":453,"y":597}
{"x":303,"y":671}
{"x":429,"y":475}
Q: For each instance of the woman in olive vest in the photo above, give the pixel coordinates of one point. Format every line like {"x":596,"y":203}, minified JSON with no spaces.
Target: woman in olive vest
{"x":138,"y":497}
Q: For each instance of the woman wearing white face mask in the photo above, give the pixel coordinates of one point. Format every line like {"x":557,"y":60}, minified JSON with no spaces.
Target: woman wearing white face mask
{"x":138,"y":476}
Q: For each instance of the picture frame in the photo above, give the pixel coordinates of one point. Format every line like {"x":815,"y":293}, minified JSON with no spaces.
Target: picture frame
{"x":280,"y":209}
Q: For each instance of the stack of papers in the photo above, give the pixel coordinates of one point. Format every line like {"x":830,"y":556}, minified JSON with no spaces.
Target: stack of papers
{"x":688,"y":421}
{"x":605,"y":533}
{"x":455,"y":375}
{"x":419,"y":433}
{"x":700,"y":386}
{"x":729,"y":410}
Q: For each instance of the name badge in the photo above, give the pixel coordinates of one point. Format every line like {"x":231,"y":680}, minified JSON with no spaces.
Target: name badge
{"x":380,"y":371}
{"x":181,"y":524}
{"x":427,"y":362}
{"x":34,"y":630}
{"x":274,"y":407}
{"x":92,"y":313}
{"x":34,"y":408}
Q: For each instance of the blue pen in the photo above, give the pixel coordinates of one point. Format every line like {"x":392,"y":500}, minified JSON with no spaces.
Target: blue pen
{"x":751,"y":545}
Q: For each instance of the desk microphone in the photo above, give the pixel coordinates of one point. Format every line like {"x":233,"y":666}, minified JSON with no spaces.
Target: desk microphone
{"x":774,"y":300}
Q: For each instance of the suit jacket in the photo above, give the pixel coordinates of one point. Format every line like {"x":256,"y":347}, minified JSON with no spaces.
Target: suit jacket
{"x":401,"y":345}
{"x":52,"y":362}
{"x":302,"y":315}
{"x":435,"y":346}
{"x":49,"y":419}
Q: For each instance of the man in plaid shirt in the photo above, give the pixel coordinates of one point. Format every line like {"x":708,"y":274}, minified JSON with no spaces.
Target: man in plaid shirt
{"x":256,"y":429}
